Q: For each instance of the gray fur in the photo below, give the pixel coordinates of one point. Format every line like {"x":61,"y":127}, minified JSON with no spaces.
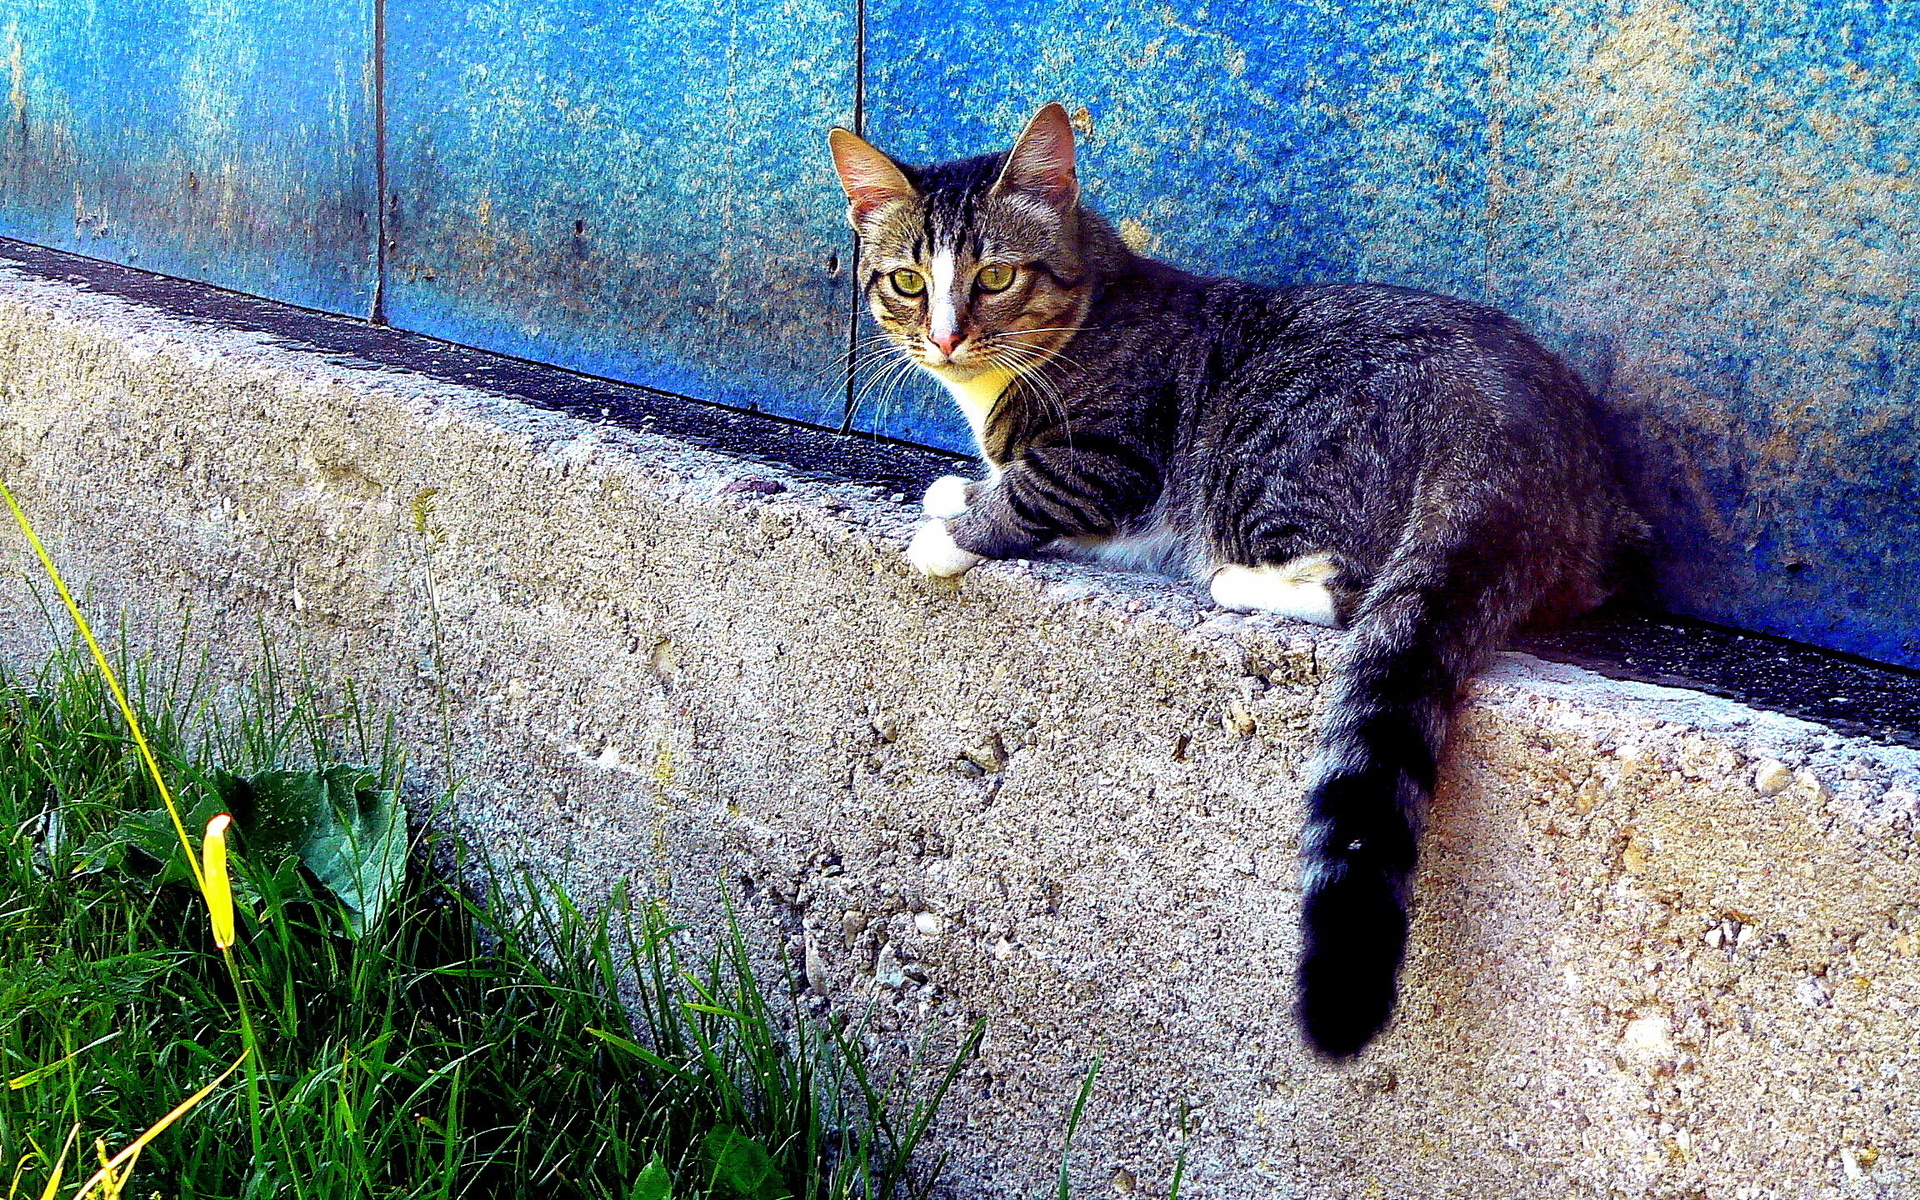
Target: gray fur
{"x":1447,"y":462}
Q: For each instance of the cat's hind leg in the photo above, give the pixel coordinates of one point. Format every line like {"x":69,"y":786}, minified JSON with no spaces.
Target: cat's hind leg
{"x":1297,"y":588}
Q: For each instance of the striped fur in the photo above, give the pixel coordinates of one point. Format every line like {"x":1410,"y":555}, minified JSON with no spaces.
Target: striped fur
{"x":1437,"y":468}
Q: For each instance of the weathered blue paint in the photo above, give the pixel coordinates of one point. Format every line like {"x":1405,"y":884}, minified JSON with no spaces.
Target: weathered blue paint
{"x":1711,"y":209}
{"x":636,"y":191}
{"x":1283,"y":142}
{"x":202,"y":138}
{"x":1711,"y":212}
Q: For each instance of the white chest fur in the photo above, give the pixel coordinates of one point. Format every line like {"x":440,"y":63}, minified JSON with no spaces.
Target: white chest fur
{"x":976,"y":396}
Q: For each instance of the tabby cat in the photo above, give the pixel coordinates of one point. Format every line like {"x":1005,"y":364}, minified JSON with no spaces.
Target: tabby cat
{"x":1409,"y":466}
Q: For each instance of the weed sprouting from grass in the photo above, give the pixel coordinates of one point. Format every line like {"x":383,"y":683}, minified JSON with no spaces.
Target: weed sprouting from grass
{"x":462,"y":1043}
{"x":402,"y":1036}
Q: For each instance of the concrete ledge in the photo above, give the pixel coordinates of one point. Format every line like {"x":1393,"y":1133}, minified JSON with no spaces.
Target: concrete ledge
{"x":1667,"y":946}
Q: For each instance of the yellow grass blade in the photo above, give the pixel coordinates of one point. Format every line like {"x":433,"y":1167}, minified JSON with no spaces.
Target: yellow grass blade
{"x":60,"y":1164}
{"x":113,"y":682}
{"x":38,"y":1073}
{"x":111,"y":1177}
{"x":59,"y":1167}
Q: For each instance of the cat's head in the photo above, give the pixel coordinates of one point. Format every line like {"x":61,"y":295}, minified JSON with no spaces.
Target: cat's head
{"x":976,"y":265}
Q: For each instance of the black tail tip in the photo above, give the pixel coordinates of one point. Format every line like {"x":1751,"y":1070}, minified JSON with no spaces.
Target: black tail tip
{"x":1340,"y":1020}
{"x":1356,"y":936}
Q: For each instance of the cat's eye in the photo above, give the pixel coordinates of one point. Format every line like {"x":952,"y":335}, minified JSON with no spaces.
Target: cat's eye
{"x":908,"y":283}
{"x":996,"y":278}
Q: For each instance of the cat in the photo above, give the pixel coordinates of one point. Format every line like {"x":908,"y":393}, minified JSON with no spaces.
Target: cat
{"x":1409,"y":466}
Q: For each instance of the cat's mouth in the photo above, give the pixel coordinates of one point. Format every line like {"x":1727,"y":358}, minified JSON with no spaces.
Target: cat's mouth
{"x":984,"y":355}
{"x":962,"y":362}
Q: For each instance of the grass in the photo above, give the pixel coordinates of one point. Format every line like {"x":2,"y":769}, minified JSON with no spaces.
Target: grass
{"x":405,"y":1031}
{"x":428,"y":1040}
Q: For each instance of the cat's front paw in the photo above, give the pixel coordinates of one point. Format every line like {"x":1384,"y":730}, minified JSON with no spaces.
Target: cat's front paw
{"x":933,"y":552}
{"x":946,"y":498}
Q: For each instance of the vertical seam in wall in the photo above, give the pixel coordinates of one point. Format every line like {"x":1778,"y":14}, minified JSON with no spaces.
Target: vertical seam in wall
{"x":860,"y":67}
{"x":853,"y":262}
{"x":379,"y":313}
{"x":1493,"y":187}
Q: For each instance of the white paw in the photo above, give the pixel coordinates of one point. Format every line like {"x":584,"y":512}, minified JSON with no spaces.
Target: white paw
{"x":934,"y":553}
{"x":946,"y":498}
{"x":1289,"y":590}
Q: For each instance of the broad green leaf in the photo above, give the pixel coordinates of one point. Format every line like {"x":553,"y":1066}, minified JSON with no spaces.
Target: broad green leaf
{"x":104,"y":850}
{"x":653,"y":1183}
{"x":153,"y":834}
{"x":343,"y":827}
{"x":741,"y":1167}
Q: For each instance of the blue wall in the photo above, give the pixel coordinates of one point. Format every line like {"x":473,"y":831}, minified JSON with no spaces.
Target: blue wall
{"x":616,"y":188}
{"x":1712,"y":210}
{"x":213,"y":140}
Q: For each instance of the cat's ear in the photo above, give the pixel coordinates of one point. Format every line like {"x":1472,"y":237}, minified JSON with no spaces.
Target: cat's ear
{"x":1041,"y":162}
{"x":870,"y":177}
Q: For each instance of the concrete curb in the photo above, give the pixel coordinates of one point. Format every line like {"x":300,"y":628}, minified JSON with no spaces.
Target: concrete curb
{"x":1667,"y":945}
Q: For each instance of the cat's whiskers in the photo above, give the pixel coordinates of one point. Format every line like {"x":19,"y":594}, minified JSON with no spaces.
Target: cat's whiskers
{"x":885,"y":368}
{"x":872,"y":356}
{"x":885,"y":344}
{"x":1009,"y":340}
{"x":1015,"y":338}
{"x":1042,"y":329}
{"x":1050,"y":387}
{"x":839,"y":368}
{"x":1043,"y":354}
{"x":875,"y":360}
{"x":863,"y":356}
{"x":1029,"y":365}
{"x":885,"y":383}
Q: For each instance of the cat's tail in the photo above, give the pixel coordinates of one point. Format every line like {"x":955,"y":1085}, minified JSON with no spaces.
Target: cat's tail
{"x":1425,"y":625}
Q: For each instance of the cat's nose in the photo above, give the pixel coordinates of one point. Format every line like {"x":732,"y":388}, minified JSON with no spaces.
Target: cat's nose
{"x":945,"y":341}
